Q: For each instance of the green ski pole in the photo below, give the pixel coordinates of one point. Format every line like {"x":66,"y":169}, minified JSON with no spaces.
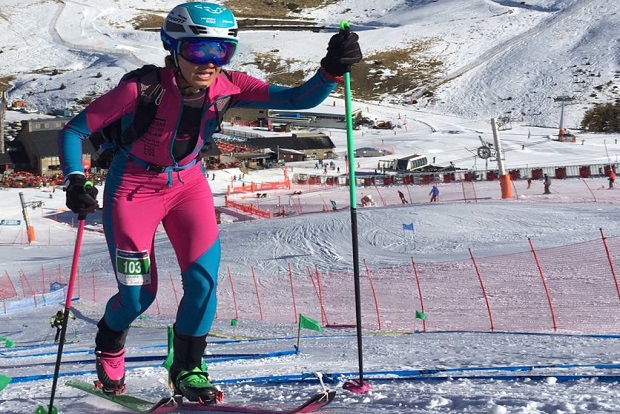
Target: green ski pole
{"x":358,"y":386}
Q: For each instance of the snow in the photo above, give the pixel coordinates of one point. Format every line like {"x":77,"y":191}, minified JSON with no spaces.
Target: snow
{"x":505,"y":54}
{"x":501,"y":58}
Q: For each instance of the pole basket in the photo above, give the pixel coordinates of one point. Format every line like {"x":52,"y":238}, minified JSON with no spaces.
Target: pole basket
{"x":356,"y":386}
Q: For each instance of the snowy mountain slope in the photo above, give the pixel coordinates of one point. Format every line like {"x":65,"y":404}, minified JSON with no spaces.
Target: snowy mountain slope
{"x":500,"y":58}
{"x":564,"y":54}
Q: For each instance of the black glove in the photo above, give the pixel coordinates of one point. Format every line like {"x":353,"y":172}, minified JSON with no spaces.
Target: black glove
{"x":81,"y":195}
{"x":342,"y":52}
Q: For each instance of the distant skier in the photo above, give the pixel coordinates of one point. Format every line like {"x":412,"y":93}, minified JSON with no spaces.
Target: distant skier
{"x":334,"y":205}
{"x":367,"y":201}
{"x":547,"y":184}
{"x":612,"y":178}
{"x":56,"y":322}
{"x":402,"y":197}
{"x":434,"y":193}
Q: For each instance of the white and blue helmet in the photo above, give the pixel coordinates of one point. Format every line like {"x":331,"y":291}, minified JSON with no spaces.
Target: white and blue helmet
{"x":198,"y":20}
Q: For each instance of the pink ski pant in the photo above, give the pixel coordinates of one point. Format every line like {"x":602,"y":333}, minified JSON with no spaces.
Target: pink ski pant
{"x":136,"y":202}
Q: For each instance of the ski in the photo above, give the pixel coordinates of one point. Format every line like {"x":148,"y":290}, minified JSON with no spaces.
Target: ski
{"x":136,"y":404}
{"x":313,"y":404}
{"x":173,"y":403}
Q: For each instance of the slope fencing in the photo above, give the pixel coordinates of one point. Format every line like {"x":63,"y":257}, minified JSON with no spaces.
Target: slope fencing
{"x":331,"y":193}
{"x":572,"y":288}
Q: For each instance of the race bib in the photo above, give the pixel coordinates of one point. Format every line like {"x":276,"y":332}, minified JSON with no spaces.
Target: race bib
{"x":133,"y":268}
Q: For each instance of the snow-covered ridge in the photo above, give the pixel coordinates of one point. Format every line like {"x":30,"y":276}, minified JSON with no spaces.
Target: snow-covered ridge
{"x":501,"y":58}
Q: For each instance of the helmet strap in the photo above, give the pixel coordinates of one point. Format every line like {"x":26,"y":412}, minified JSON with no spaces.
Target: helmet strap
{"x":177,"y":71}
{"x":177,"y":68}
{"x":175,"y":62}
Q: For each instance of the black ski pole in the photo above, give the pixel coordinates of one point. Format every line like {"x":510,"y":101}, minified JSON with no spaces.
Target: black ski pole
{"x":65,"y":317}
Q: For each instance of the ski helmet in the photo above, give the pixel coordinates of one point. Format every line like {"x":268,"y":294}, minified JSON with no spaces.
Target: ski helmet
{"x":197,"y":20}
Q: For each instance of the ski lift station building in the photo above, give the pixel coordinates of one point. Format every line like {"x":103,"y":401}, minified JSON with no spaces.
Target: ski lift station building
{"x":408,"y":163}
{"x":322,"y":116}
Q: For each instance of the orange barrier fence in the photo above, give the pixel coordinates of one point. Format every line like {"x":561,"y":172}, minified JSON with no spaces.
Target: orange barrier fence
{"x":251,"y":209}
{"x":254,"y":187}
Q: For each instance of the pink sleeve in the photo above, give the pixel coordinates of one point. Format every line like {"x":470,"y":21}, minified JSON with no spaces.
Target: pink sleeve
{"x":252,"y":89}
{"x":115,"y":104}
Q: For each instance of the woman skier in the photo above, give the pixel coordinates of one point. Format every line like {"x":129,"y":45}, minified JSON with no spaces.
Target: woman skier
{"x":158,"y":178}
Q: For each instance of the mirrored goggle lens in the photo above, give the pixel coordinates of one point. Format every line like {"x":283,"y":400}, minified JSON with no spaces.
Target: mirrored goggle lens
{"x":201,"y":52}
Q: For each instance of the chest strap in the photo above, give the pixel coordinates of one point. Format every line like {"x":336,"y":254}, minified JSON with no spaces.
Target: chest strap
{"x":158,"y":168}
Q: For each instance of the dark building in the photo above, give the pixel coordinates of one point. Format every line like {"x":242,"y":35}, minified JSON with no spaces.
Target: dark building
{"x":6,"y":163}
{"x":312,"y":145}
{"x":39,"y":139}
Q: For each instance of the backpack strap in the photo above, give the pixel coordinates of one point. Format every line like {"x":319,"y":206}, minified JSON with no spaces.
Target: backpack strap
{"x":150,"y":94}
{"x":149,"y":97}
{"x":222,"y":105}
{"x":108,"y":140}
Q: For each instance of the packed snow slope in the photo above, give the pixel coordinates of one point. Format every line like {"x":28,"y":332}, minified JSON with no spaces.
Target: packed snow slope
{"x":462,"y":372}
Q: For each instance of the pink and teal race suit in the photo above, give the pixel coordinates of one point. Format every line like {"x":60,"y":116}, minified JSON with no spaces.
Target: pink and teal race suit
{"x":138,"y":197}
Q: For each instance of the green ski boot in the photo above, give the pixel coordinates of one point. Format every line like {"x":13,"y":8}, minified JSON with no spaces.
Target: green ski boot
{"x":187,"y":370}
{"x":195,"y":386}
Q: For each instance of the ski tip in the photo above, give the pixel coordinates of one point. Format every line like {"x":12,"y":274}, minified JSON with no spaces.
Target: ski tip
{"x":165,"y":404}
{"x":356,"y":386}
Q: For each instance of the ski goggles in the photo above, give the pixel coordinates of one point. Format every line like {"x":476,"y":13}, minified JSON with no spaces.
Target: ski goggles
{"x":203,"y":51}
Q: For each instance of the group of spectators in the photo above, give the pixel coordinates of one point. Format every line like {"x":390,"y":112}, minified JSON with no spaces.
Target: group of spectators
{"x":24,"y":179}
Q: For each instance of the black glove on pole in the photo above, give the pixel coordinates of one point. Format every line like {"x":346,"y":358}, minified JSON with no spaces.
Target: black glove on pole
{"x":81,"y":195}
{"x":343,"y":51}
